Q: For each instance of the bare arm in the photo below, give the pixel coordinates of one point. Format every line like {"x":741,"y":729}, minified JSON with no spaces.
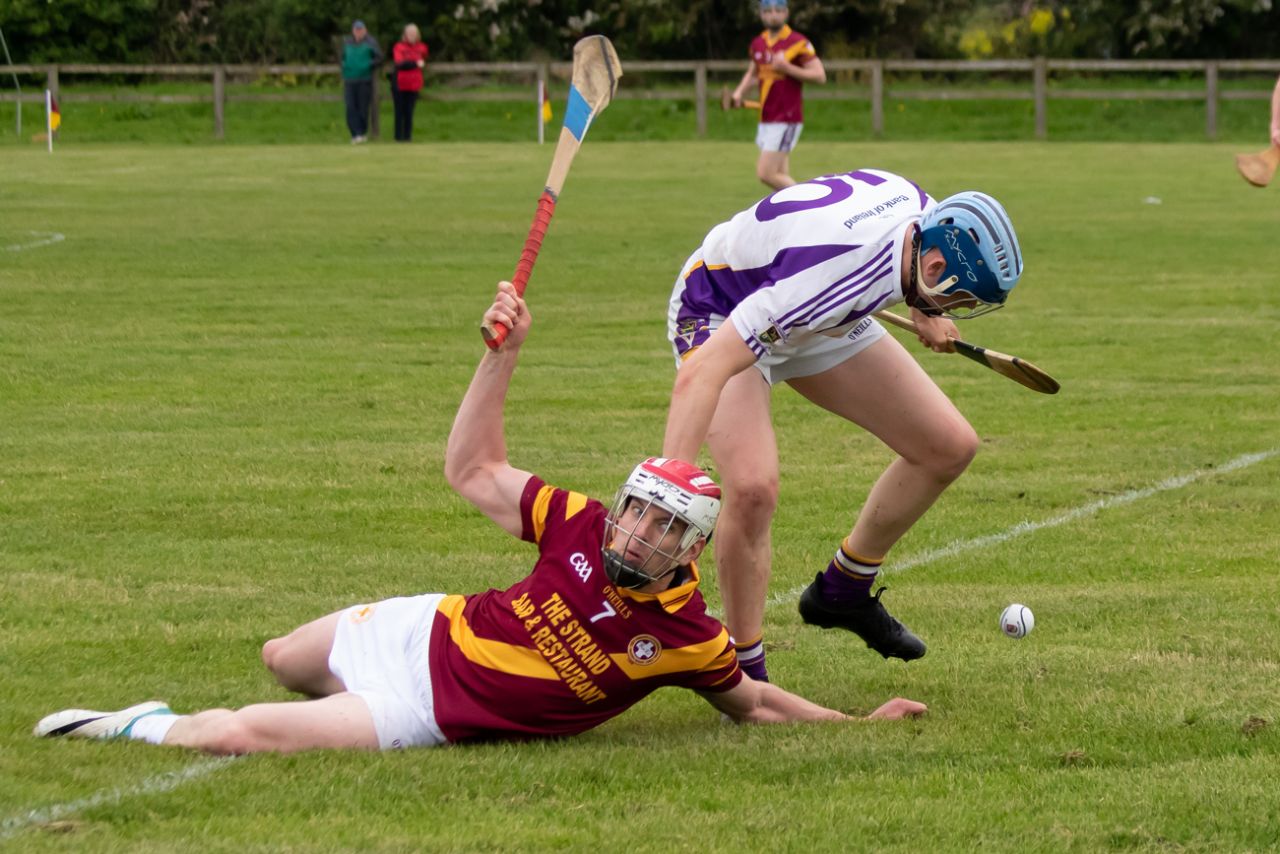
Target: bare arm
{"x":475,"y":461}
{"x":811,"y":72}
{"x":749,"y":78}
{"x":697,"y":391}
{"x":762,"y":702}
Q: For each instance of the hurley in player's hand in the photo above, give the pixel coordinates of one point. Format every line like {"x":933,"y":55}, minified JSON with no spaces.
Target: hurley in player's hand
{"x":509,"y":310}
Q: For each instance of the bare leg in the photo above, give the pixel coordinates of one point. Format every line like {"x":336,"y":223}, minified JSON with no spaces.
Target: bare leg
{"x":340,"y":722}
{"x":774,"y":169}
{"x":300,"y":659}
{"x":742,"y":444}
{"x":883,"y":390}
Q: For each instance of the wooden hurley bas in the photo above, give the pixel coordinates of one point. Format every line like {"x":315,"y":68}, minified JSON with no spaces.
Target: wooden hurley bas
{"x":1258,"y":169}
{"x":1018,"y":370}
{"x":596,"y":70}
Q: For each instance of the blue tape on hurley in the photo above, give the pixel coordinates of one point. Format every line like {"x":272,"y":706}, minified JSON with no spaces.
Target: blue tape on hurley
{"x":577,"y":114}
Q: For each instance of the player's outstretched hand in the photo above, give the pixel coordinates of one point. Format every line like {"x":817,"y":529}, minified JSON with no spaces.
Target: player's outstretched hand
{"x":509,"y":310}
{"x":897,"y":709}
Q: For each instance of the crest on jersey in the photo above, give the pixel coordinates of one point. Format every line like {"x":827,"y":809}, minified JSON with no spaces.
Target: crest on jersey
{"x":644,"y":649}
{"x":771,"y":335}
{"x":687,"y":330}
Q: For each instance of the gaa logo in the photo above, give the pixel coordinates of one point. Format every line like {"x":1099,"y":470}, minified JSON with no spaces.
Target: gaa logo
{"x":644,"y":649}
{"x":581,"y":565}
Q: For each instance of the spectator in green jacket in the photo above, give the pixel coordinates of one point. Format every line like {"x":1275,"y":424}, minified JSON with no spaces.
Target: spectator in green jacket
{"x":360,"y":58}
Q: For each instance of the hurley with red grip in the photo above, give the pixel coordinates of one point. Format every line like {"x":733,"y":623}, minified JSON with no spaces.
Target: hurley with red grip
{"x":595,"y":78}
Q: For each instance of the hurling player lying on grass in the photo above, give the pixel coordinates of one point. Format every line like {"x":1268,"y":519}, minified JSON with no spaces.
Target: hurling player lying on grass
{"x":610,"y":612}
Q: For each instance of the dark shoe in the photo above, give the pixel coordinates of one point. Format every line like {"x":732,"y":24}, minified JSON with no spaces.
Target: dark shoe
{"x":867,"y":619}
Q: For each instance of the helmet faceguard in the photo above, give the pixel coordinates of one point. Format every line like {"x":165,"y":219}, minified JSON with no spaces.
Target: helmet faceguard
{"x":682,"y":492}
{"x":983,"y":260}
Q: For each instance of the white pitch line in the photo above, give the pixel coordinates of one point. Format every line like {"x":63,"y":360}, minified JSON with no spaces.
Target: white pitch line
{"x":1022,"y":528}
{"x":159,"y":784}
{"x":47,"y":238}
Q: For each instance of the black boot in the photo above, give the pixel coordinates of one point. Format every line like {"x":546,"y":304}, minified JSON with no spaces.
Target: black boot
{"x":867,"y":619}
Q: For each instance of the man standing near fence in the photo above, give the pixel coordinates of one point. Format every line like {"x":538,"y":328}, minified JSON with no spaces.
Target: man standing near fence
{"x":782,"y":60}
{"x":360,"y":56}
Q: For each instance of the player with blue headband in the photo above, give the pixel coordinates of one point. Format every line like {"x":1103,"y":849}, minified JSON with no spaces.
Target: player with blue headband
{"x":787,"y":291}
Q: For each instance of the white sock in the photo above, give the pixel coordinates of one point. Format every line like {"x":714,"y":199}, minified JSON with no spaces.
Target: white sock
{"x":154,"y":727}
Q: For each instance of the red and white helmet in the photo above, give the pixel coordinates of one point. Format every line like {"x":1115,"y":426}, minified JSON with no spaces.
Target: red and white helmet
{"x":682,"y":490}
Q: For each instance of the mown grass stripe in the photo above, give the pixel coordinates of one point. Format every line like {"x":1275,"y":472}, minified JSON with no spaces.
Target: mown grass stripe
{"x":1018,"y":530}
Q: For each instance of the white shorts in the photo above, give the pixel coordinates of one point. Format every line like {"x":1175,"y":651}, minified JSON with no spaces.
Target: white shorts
{"x":380,"y":654}
{"x":813,"y":356}
{"x":778,"y":136}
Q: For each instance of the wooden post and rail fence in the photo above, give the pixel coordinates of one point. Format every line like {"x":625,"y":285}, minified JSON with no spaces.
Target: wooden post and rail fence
{"x":875,"y":88}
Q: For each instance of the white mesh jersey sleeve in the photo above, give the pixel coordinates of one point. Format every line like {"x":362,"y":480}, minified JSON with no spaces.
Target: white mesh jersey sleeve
{"x":811,"y":259}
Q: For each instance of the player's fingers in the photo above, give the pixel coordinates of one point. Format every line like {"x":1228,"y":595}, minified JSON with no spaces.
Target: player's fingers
{"x":500,"y":313}
{"x":492,"y":318}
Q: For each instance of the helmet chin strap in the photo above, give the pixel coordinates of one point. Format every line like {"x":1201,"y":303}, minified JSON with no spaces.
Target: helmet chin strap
{"x":918,"y":286}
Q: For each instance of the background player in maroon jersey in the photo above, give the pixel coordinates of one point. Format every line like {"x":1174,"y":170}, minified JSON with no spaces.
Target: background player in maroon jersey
{"x":610,"y":613}
{"x":782,"y":61}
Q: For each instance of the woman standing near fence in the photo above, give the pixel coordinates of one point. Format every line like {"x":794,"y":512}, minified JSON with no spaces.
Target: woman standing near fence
{"x":410,"y":57}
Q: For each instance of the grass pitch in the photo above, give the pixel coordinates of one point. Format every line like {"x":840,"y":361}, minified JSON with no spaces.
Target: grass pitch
{"x":225,"y":395}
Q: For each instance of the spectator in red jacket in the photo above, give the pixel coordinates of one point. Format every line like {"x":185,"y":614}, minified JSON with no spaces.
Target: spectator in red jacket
{"x":410,"y":57}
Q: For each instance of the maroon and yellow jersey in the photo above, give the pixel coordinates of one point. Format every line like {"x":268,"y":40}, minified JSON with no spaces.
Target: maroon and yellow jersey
{"x":781,"y":96}
{"x":564,"y":650}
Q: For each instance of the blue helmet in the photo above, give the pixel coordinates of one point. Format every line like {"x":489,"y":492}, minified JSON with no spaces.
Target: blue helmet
{"x":773,"y":4}
{"x":974,"y":234}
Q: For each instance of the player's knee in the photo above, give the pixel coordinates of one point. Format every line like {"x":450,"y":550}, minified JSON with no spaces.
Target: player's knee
{"x":272,"y":652}
{"x":953,"y":454}
{"x":754,"y":499}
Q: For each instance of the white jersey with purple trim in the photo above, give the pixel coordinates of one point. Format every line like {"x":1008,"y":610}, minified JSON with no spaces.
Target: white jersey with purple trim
{"x":813,"y":259}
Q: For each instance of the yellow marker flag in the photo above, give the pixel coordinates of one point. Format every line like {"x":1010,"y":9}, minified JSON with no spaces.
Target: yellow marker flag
{"x":55,"y":115}
{"x":546,"y":106}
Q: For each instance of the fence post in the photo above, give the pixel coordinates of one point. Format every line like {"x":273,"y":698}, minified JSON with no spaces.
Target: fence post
{"x":51,"y":82}
{"x":544,"y":95}
{"x":877,"y":98}
{"x":1211,"y":100}
{"x":1040,"y":93}
{"x":219,"y":101}
{"x":700,"y":97}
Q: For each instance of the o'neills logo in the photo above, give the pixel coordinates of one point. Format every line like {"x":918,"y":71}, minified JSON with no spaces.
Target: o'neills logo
{"x":644,"y":649}
{"x":361,"y":614}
